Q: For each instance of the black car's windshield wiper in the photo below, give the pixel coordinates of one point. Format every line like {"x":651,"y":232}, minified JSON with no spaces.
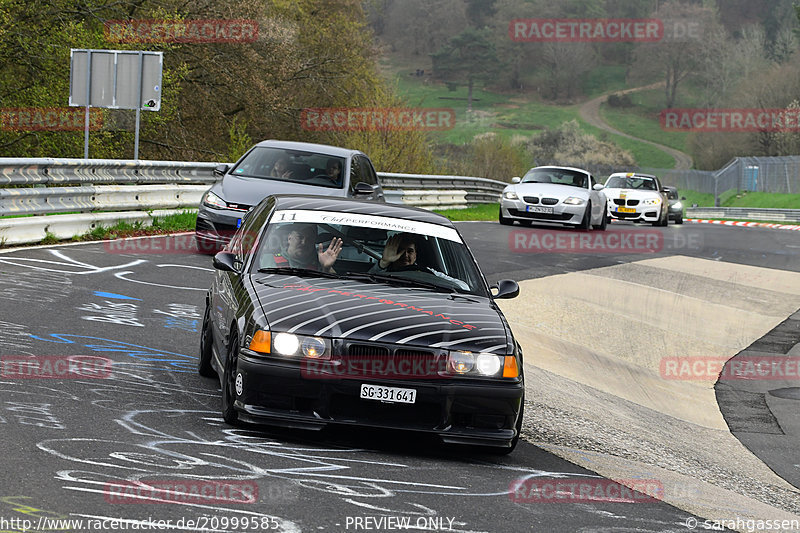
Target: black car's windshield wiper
{"x":376,"y":278}
{"x":300,"y":272}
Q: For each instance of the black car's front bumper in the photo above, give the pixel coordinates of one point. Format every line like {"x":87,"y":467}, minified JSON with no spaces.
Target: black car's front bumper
{"x":465,"y":411}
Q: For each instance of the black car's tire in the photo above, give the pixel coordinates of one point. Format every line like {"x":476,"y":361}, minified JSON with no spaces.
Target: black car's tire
{"x":586,"y":223}
{"x":204,"y":367}
{"x":503,"y":220}
{"x":229,"y":413}
{"x":602,"y":226}
{"x":679,"y":220}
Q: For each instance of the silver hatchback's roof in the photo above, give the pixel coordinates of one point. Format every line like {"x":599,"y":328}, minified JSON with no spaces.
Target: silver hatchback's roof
{"x":310,"y":147}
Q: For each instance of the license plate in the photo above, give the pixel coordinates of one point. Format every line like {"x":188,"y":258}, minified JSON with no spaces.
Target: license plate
{"x":538,"y":209}
{"x":388,"y":394}
{"x":239,"y":223}
{"x":626,"y":210}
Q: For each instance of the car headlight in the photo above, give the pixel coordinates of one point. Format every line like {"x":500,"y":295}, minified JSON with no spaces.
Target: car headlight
{"x":510,"y":195}
{"x":482,"y":364}
{"x":652,"y":201}
{"x":290,"y":345}
{"x":677,"y":205}
{"x":574,"y":200}
{"x":213,"y":200}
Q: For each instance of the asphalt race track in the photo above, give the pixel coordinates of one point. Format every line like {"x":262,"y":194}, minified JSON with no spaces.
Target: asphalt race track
{"x":76,"y":448}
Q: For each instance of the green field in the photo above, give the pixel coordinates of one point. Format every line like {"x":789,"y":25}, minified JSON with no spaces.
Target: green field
{"x":513,"y":114}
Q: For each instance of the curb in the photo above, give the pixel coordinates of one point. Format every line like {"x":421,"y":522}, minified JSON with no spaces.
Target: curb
{"x":794,"y":227}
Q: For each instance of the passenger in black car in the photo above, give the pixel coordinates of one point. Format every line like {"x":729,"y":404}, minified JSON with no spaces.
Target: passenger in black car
{"x":400,"y":253}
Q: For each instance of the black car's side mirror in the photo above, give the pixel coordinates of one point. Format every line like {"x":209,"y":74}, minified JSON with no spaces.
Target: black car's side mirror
{"x":506,"y":288}
{"x":221,"y":170}
{"x":683,"y":198}
{"x":225,"y":261}
{"x":363,"y":188}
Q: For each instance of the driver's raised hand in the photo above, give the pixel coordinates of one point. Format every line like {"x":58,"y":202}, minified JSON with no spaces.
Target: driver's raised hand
{"x":328,"y":257}
{"x":391,"y":253}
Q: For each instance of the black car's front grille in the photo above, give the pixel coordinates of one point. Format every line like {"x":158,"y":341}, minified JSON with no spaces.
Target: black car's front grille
{"x":239,"y":207}
{"x":549,"y":201}
{"x":366,"y":350}
{"x":530,"y":199}
{"x":390,"y":362}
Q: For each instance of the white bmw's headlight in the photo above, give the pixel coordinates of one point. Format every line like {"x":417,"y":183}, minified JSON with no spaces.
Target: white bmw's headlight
{"x":574,"y":200}
{"x":510,"y":195}
{"x":652,"y":201}
{"x":213,"y":200}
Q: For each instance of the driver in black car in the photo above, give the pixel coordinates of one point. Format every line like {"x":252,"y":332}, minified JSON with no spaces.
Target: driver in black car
{"x":400,"y":253}
{"x":298,"y":250}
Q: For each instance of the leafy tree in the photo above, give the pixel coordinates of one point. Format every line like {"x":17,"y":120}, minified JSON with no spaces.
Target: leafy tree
{"x":470,"y":56}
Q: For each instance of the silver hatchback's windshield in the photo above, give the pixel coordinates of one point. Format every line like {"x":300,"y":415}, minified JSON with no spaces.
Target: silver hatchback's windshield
{"x":292,"y":165}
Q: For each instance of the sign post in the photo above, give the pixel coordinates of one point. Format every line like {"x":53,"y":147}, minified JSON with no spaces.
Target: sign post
{"x":115,"y":79}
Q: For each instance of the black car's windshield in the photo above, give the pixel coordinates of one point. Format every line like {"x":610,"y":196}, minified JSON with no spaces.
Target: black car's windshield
{"x":559,"y":176}
{"x":373,"y":248}
{"x":631,"y":182}
{"x":292,"y":165}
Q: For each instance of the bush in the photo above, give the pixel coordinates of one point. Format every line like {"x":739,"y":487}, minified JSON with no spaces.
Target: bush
{"x":620,"y":100}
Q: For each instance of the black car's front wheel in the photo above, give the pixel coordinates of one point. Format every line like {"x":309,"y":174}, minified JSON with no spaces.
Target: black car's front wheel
{"x":204,"y":367}
{"x":229,"y":413}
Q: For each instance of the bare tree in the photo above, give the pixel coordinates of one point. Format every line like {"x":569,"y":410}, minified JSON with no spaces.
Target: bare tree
{"x":674,"y":58}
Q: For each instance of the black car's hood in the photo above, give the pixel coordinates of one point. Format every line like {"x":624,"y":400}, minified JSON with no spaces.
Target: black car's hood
{"x":355,"y":310}
{"x":250,"y":191}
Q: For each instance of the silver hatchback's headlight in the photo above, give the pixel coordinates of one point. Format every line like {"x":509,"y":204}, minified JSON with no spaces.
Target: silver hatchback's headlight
{"x":213,"y":200}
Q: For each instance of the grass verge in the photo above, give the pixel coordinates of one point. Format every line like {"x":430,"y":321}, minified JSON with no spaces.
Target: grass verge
{"x":178,"y":222}
{"x":473,"y":212}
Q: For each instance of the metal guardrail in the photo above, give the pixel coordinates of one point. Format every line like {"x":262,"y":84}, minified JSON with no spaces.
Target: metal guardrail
{"x":103,"y":191}
{"x":59,"y":172}
{"x":745,"y":213}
